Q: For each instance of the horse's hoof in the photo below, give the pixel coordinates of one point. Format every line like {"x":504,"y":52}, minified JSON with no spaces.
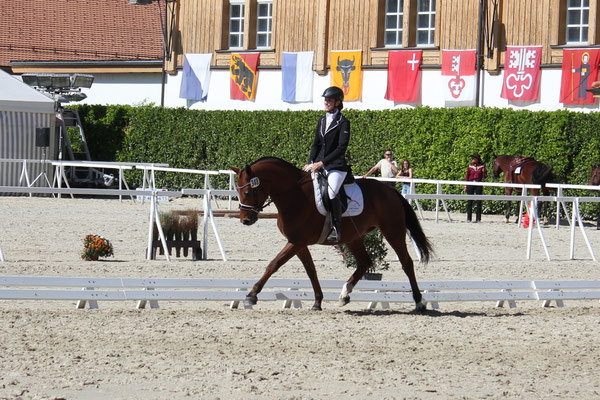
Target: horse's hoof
{"x":316,"y":308}
{"x":343,"y":301}
{"x":506,"y":221}
{"x":250,"y":300}
{"x":420,"y":308}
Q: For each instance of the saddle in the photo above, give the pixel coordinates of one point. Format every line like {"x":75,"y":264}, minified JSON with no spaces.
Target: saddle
{"x":518,"y":162}
{"x":324,"y":203}
{"x":353,"y":201}
{"x":322,"y":182}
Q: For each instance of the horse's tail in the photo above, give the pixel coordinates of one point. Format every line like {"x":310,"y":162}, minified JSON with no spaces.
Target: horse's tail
{"x":542,"y":174}
{"x":415,"y":230}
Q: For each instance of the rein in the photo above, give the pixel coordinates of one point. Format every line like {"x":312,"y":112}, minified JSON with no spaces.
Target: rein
{"x":254,"y":183}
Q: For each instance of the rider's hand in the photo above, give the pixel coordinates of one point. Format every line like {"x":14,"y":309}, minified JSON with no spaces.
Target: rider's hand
{"x":307,"y":167}
{"x":316,"y":166}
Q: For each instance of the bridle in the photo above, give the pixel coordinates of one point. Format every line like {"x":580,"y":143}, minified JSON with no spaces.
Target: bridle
{"x":254,"y":183}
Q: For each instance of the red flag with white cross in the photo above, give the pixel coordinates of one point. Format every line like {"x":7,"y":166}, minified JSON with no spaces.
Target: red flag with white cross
{"x":404,"y":76}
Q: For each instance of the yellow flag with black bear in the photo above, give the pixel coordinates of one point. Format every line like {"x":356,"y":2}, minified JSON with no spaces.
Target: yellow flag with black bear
{"x":346,"y":72}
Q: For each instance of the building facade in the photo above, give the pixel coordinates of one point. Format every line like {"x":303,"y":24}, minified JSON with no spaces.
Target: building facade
{"x":375,"y":27}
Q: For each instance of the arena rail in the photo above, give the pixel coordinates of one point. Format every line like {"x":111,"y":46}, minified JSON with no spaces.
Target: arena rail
{"x":292,"y":292}
{"x":210,"y":194}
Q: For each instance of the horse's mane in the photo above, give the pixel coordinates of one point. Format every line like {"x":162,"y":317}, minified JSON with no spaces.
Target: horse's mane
{"x":276,"y":159}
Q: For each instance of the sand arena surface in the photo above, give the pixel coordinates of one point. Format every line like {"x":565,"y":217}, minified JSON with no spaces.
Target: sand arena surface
{"x":205,"y":350}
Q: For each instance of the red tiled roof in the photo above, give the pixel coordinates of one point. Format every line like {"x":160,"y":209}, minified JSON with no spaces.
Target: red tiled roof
{"x":79,"y":30}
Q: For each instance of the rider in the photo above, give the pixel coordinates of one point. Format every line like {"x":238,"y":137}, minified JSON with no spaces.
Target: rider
{"x":328,"y":151}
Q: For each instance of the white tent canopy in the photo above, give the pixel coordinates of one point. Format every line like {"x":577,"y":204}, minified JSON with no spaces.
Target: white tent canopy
{"x":18,"y":96}
{"x":22,"y":111}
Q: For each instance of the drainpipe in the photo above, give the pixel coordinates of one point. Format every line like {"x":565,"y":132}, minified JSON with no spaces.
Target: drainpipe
{"x":479,"y":63}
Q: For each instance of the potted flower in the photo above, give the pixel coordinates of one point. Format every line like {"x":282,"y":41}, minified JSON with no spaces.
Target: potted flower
{"x":96,"y":246}
{"x":376,"y":249}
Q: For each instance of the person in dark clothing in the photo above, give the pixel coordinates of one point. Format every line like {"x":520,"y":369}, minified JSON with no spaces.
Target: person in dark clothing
{"x":328,"y":151}
{"x":476,"y":172}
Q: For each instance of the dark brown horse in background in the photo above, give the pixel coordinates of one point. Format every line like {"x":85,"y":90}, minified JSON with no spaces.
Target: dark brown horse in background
{"x":595,"y":181}
{"x":291,"y":190}
{"x":523,"y":170}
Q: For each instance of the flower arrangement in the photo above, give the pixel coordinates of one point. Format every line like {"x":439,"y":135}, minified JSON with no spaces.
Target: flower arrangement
{"x":96,"y":246}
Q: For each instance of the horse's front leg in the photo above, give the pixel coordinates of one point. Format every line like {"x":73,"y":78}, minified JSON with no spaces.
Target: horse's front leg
{"x":311,"y":271}
{"x":284,"y":255}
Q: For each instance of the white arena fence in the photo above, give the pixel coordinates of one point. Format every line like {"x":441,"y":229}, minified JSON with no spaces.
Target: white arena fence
{"x":290,"y":292}
{"x":209,"y":194}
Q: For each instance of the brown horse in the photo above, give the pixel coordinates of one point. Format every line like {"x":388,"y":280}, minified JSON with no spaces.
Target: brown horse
{"x":523,"y":170}
{"x":595,"y":181}
{"x":291,"y":190}
{"x":595,"y":177}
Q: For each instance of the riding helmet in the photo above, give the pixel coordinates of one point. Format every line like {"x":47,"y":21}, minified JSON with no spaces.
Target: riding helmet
{"x":334,"y":92}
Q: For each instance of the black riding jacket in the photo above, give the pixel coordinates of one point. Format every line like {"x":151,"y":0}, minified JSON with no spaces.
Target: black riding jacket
{"x":330,"y":146}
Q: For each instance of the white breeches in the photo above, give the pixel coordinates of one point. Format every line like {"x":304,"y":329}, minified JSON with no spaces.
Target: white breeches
{"x":335,"y":179}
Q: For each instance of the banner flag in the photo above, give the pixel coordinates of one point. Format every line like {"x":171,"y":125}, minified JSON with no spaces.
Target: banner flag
{"x":244,"y":75}
{"x":297,"y":76}
{"x":404,"y":75}
{"x":346,"y":72}
{"x":195,"y":77}
{"x":522,"y":73}
{"x":579,"y":70}
{"x":458,"y":72}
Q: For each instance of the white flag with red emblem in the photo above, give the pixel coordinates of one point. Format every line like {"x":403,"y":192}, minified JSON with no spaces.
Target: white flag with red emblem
{"x":458,"y":72}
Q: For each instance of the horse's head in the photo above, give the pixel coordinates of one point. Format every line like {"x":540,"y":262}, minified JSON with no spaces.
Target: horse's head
{"x":595,"y":177}
{"x":252,"y":198}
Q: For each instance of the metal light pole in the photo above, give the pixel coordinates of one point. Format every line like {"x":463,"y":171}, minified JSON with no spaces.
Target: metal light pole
{"x":167,"y":32}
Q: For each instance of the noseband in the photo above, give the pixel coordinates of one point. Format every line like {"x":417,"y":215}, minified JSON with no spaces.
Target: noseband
{"x":254,"y":183}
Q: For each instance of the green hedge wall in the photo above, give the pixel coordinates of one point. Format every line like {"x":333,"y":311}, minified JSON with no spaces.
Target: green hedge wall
{"x":437,"y":141}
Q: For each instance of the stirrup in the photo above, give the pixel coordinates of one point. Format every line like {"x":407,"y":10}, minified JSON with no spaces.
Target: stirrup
{"x":333,"y":236}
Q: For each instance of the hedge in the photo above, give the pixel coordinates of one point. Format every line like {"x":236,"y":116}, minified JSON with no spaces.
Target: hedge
{"x":436,"y":141}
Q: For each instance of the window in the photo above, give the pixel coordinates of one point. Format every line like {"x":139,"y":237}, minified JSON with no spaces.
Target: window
{"x":247,"y":24}
{"x":406,"y":23}
{"x":577,"y":21}
{"x":236,"y":24}
{"x":264,"y":22}
{"x":394,"y":18}
{"x":426,"y":22}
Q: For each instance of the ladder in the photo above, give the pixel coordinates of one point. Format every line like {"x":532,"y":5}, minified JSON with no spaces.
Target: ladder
{"x":69,"y":118}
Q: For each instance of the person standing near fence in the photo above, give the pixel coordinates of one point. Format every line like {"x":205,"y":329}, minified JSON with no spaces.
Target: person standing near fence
{"x":405,"y":172}
{"x":387,"y":166}
{"x":476,"y":172}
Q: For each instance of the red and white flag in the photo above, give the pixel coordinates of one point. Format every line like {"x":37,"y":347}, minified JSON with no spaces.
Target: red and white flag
{"x":404,"y":75}
{"x":579,"y":70}
{"x":522,"y":73}
{"x":458,"y":71}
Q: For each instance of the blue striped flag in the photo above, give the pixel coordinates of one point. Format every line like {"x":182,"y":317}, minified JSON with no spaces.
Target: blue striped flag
{"x":195,"y":77}
{"x":297,"y":76}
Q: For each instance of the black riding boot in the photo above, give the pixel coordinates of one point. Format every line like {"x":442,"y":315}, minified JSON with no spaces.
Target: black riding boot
{"x":336,"y":221}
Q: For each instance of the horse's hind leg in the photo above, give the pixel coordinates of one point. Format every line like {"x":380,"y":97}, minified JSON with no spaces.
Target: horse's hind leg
{"x":284,"y":255}
{"x":507,"y":214}
{"x":397,"y":240}
{"x":309,"y":267}
{"x":363,"y":262}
